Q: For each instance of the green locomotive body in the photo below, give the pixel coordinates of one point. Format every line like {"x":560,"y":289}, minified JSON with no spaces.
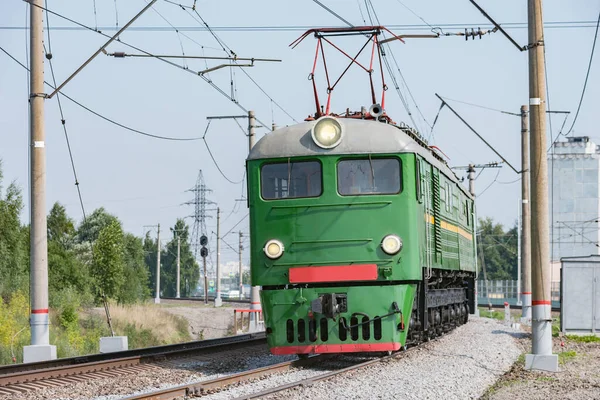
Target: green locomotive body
{"x":365,"y":244}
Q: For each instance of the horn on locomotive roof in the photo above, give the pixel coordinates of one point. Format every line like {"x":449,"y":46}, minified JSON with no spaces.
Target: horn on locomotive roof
{"x":376,"y":111}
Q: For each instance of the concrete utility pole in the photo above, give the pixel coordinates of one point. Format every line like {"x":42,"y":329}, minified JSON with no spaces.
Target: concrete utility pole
{"x":255,"y":291}
{"x":541,"y":357}
{"x":251,"y":130}
{"x":241,"y":248}
{"x":157,"y":296}
{"x":218,"y":300}
{"x":40,"y":349}
{"x":471,"y":177}
{"x":525,"y":219}
{"x":178,"y":295}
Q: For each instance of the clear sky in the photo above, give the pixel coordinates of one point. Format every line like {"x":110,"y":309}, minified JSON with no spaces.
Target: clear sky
{"x":144,"y":180}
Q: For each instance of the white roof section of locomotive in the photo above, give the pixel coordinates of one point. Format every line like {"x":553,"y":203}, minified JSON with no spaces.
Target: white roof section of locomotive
{"x":359,"y":137}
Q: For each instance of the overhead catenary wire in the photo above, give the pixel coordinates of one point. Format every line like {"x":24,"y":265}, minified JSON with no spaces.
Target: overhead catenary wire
{"x":587,"y":75}
{"x":226,"y":49}
{"x":303,"y":28}
{"x":388,"y":67}
{"x":213,"y":158}
{"x":100,"y":115}
{"x":63,"y":119}
{"x":490,"y":185}
{"x":239,"y":222}
{"x":183,"y":62}
{"x":206,"y":79}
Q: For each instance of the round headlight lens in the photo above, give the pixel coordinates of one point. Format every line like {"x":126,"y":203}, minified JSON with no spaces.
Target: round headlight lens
{"x":327,"y":132}
{"x":391,"y":244}
{"x":273,"y":249}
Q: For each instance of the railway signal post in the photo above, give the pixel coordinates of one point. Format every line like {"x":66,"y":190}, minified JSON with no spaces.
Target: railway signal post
{"x":204,"y":254}
{"x":40,"y":348}
{"x":541,"y":357}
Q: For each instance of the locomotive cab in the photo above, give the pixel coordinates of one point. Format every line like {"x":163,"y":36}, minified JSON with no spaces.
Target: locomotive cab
{"x":339,"y":238}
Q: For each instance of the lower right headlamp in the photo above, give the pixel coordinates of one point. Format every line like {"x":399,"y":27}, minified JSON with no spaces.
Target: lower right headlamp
{"x":391,"y":244}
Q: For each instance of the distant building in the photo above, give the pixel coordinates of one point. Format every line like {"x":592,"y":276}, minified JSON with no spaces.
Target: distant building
{"x":574,"y":191}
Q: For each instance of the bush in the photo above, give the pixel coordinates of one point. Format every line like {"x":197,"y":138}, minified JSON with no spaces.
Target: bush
{"x":14,"y":327}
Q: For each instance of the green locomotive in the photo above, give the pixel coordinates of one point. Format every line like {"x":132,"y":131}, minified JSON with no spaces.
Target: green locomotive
{"x":362,"y":238}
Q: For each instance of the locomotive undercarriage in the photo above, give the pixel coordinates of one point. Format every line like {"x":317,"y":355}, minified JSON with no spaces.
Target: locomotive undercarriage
{"x":442,"y":302}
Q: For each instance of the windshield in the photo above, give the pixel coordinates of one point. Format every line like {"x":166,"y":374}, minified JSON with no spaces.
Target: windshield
{"x":369,"y":176}
{"x":291,"y":179}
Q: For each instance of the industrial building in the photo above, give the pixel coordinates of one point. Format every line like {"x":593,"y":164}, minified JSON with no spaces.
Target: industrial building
{"x":574,"y":206}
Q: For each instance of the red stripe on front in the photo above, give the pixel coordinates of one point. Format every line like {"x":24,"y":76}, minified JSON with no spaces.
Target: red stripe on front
{"x":344,"y":273}
{"x":40,"y":311}
{"x":526,"y":293}
{"x":541,"y":303}
{"x":335,"y":348}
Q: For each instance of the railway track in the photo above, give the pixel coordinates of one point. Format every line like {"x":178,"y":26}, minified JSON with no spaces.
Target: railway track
{"x":203,"y":388}
{"x":22,"y":378}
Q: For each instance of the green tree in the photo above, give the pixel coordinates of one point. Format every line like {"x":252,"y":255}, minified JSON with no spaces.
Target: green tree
{"x":90,"y":228}
{"x":150,"y":261}
{"x":135,"y":283}
{"x":14,"y":254}
{"x":108,"y":263}
{"x":65,"y":269}
{"x":497,"y":249}
{"x":188,"y":265}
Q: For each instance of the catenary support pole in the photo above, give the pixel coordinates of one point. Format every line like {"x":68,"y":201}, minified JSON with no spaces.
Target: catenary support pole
{"x":525,"y":219}
{"x":240,"y":272}
{"x":519,"y":258}
{"x":178,"y":295}
{"x":541,"y":356}
{"x":255,"y":291}
{"x":40,"y":348}
{"x":471,"y":177}
{"x":218,"y":300}
{"x":157,"y":294}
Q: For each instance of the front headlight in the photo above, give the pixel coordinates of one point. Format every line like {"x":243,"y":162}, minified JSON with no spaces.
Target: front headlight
{"x":327,"y":132}
{"x":391,"y":244}
{"x":273,"y":249}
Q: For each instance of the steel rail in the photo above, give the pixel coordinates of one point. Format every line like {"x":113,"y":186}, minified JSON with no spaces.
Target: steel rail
{"x":512,"y":307}
{"x":19,"y":372}
{"x":199,"y":388}
{"x":210,"y":298}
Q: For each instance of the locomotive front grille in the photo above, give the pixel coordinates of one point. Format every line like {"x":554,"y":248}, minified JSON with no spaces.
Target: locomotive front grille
{"x":359,"y":328}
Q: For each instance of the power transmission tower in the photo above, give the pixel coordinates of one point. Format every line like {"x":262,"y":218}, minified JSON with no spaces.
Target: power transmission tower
{"x":200,"y":203}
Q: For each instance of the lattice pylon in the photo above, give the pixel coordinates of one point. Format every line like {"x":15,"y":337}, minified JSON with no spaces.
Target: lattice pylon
{"x":200,"y":214}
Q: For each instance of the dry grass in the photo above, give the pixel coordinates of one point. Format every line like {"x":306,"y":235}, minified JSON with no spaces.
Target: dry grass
{"x":165,"y":328}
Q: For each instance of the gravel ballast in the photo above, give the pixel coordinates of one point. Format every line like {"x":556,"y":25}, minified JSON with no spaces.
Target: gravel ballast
{"x":459,"y":365}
